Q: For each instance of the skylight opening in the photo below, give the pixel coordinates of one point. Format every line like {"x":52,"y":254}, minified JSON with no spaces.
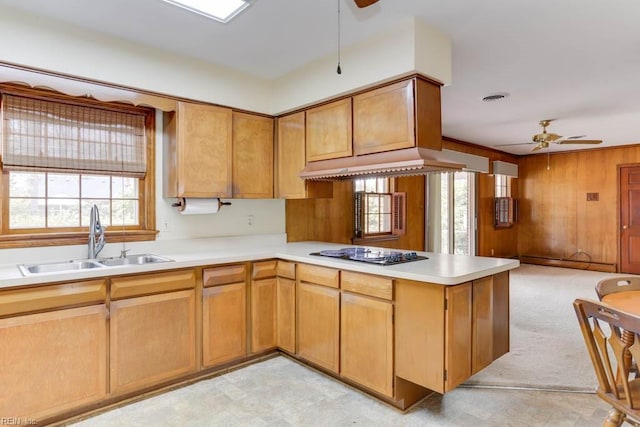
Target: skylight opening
{"x":220,"y":10}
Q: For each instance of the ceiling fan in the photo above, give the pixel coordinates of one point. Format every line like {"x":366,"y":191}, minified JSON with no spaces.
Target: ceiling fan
{"x":543,"y":139}
{"x":364,"y":3}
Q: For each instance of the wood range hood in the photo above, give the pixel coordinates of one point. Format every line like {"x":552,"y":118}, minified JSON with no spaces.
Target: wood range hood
{"x":404,"y":162}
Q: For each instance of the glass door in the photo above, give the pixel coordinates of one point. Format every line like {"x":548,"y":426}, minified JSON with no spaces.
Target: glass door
{"x":451,"y":213}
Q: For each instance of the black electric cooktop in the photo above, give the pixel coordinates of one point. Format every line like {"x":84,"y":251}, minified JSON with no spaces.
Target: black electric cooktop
{"x":372,"y":256}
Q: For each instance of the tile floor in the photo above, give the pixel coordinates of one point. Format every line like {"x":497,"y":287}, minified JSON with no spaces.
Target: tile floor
{"x":281,"y":392}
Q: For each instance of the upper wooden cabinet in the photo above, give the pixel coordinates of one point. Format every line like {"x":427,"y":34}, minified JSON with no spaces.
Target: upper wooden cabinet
{"x":329,"y":131}
{"x":198,"y":151}
{"x":252,"y":156}
{"x":401,"y":115}
{"x":291,"y":160}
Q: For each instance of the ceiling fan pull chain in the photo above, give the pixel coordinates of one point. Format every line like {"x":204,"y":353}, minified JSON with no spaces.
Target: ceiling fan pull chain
{"x":548,"y":166}
{"x":339,"y":70}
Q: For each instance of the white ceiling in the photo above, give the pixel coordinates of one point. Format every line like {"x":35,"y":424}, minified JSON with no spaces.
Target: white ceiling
{"x":576,"y":61}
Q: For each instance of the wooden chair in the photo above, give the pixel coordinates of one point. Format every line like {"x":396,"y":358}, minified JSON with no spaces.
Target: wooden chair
{"x":607,"y":351}
{"x":617,"y":284}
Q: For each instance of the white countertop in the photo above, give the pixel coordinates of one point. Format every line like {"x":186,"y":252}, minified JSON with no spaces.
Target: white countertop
{"x":442,"y":269}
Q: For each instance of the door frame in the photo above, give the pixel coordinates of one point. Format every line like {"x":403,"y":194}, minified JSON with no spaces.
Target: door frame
{"x":619,"y":212}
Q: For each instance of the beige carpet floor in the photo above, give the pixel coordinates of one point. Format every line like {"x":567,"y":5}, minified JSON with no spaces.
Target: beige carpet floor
{"x":547,"y":350}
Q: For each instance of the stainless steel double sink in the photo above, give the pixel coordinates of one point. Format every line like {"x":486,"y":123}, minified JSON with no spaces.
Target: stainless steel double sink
{"x":89,"y":264}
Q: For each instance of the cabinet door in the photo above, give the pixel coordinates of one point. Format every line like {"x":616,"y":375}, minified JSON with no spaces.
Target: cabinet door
{"x":458,"y":334}
{"x":319,"y":325}
{"x":53,"y":362}
{"x":490,"y":319}
{"x":204,"y":151}
{"x":291,"y":156}
{"x":286,"y":314}
{"x":152,"y":340}
{"x":383,"y":119}
{"x":252,"y":156}
{"x":366,"y":342}
{"x":224,"y":324}
{"x":419,"y":328}
{"x":263,"y":314}
{"x":328,"y":131}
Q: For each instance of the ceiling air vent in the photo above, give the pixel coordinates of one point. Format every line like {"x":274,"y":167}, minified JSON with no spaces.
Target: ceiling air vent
{"x":495,"y":97}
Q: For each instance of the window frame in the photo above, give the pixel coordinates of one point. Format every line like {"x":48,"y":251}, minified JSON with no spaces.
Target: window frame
{"x":394,"y":197}
{"x":144,"y":231}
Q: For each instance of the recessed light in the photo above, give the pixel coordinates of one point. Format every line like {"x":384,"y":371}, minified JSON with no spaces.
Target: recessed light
{"x":495,"y":97}
{"x":220,"y":10}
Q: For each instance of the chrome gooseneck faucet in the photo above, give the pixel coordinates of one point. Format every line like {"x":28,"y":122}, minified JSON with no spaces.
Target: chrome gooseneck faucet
{"x":95,"y":243}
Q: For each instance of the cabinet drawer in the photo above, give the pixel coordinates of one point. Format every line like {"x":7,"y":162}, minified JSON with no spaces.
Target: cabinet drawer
{"x":319,"y":275}
{"x":366,"y":284}
{"x":224,"y":275}
{"x":146,"y":284}
{"x":263,"y":269}
{"x":52,"y":296}
{"x":287,"y":269}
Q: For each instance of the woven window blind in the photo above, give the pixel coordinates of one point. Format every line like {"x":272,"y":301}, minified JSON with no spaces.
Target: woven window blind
{"x":42,"y":135}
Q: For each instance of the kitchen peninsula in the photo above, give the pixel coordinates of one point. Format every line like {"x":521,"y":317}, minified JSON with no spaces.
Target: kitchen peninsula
{"x":397,"y":332}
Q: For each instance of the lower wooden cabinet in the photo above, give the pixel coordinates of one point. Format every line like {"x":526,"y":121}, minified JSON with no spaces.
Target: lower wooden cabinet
{"x":152,"y":340}
{"x":224,"y":323}
{"x":263,"y":314}
{"x":319,"y":325}
{"x":286,"y":314}
{"x":458,"y":336}
{"x":52,"y":362}
{"x":366,"y":342}
{"x":491,"y":319}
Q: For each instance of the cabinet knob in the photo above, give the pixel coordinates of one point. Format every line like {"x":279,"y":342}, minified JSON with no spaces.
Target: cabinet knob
{"x":624,"y":227}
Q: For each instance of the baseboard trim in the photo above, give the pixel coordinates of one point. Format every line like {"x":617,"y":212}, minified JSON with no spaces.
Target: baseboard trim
{"x":579,"y":265}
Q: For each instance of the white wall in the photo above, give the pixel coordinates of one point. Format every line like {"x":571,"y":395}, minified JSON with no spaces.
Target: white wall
{"x":409,"y":48}
{"x":66,"y":49}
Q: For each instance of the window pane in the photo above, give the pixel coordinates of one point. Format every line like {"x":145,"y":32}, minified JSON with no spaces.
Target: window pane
{"x":124,"y":187}
{"x":385,"y":203}
{"x":370,"y":185}
{"x":26,"y":184}
{"x":128,"y":208}
{"x":358,"y":185}
{"x":444,"y":213}
{"x":373,"y":224}
{"x":103,"y":209}
{"x":63,"y":213}
{"x":383,"y":185}
{"x":373,"y":203}
{"x":385,"y":226}
{"x":26,"y":213}
{"x":96,"y":186}
{"x":63,"y":185}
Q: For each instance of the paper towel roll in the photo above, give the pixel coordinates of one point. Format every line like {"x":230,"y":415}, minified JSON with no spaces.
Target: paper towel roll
{"x":199,"y":206}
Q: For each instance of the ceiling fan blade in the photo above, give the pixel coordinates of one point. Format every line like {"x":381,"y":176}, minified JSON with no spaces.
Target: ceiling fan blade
{"x":579,"y":141}
{"x":364,"y":3}
{"x":551,"y":137}
{"x":537,"y":147}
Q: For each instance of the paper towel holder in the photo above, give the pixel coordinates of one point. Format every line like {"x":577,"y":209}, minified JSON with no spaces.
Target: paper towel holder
{"x":180,"y":203}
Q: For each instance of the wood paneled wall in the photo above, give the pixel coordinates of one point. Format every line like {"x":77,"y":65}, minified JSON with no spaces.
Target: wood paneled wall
{"x":501,"y":242}
{"x":331,"y":220}
{"x":556,"y":220}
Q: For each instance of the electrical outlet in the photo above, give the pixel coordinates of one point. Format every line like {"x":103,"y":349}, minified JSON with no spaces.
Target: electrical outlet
{"x":250,"y":220}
